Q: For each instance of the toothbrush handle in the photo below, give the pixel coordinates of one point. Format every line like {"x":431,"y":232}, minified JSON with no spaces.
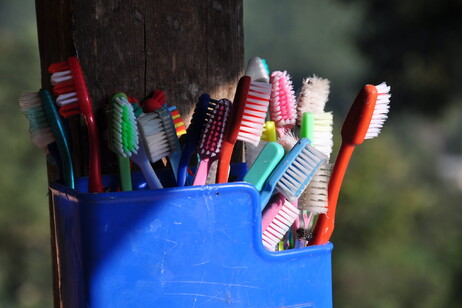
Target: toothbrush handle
{"x":325,"y":222}
{"x":202,"y":172}
{"x":183,"y":164}
{"x":61,"y":137}
{"x":223,"y":163}
{"x":141,"y":160}
{"x":124,"y":173}
{"x":95,"y":183}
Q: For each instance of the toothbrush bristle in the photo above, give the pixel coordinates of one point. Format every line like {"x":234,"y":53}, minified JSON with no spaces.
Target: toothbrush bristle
{"x":283,"y":108}
{"x":124,"y":135}
{"x":212,"y":134}
{"x":313,"y":96}
{"x":153,"y":135}
{"x":380,"y":111}
{"x":300,"y":172}
{"x":322,"y":132}
{"x":196,"y":125}
{"x":177,"y":121}
{"x":254,"y":113}
{"x":39,"y":128}
{"x":281,"y":219}
{"x":170,"y":130}
{"x":65,"y":88}
{"x":314,"y":197}
{"x":257,"y":70}
{"x":288,"y":141}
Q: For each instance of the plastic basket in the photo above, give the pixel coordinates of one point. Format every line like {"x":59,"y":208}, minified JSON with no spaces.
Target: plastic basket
{"x":179,"y":247}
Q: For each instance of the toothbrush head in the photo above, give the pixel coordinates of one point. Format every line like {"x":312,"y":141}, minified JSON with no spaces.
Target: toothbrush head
{"x":70,"y":88}
{"x":367,"y":114}
{"x":314,"y":197}
{"x":154,"y":136}
{"x":213,"y":131}
{"x":277,"y":218}
{"x":177,"y":121}
{"x":39,"y":128}
{"x":313,"y":96}
{"x":304,"y":161}
{"x":248,"y":111}
{"x":283,"y":107}
{"x":123,"y":130}
{"x":156,"y":101}
{"x":269,"y":132}
{"x":257,"y":69}
{"x":318,"y":128}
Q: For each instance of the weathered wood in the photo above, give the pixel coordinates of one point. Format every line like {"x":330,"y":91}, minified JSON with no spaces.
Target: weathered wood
{"x":182,"y":47}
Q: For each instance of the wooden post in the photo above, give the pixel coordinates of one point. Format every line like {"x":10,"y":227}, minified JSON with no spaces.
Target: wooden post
{"x":183,"y":47}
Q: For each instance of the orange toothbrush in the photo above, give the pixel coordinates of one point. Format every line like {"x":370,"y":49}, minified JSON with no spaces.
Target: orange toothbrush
{"x":364,"y":121}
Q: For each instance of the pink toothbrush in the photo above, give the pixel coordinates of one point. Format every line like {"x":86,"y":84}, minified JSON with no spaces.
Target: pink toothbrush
{"x":283,"y":106}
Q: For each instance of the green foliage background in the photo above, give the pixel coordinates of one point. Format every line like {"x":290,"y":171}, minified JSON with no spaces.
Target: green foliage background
{"x":398,"y":227}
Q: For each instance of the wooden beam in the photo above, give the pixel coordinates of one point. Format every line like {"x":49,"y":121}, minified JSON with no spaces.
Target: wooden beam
{"x":183,"y":47}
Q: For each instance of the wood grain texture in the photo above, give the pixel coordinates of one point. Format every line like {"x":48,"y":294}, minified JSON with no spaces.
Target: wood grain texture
{"x":183,"y":47}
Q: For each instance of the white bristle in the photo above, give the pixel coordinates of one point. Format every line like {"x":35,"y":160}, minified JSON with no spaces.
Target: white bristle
{"x":60,"y":77}
{"x":288,"y":141}
{"x":39,"y":129}
{"x":153,"y":134}
{"x":313,"y":96}
{"x":257,"y":70}
{"x":322,"y":132}
{"x":255,"y":110}
{"x":380,"y":111}
{"x":279,"y":225}
{"x":67,"y":98}
{"x":314,"y":197}
{"x":300,"y":172}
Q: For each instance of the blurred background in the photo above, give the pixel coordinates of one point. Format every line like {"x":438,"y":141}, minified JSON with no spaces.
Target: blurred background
{"x":398,"y":226}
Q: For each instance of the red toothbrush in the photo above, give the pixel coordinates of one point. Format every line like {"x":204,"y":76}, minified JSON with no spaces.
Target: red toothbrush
{"x":364,"y":121}
{"x":245,"y":122}
{"x":72,"y":97}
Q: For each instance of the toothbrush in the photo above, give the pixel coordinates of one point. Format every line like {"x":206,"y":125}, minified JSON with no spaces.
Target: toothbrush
{"x":73,"y":99}
{"x":318,"y":128}
{"x":268,"y":135}
{"x":211,"y":140}
{"x":316,"y":124}
{"x":245,"y":122}
{"x":277,"y":218}
{"x":257,"y":69}
{"x":123,"y":136}
{"x":156,"y":101}
{"x":265,"y":163}
{"x":172,"y":137}
{"x":46,"y":127}
{"x":293,"y":173}
{"x":177,"y":121}
{"x":157,"y":134}
{"x":283,"y":108}
{"x":193,"y":134}
{"x":141,"y":159}
{"x":364,"y":121}
{"x":313,"y":96}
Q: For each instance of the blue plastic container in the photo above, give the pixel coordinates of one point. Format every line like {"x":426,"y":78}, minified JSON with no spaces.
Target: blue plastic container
{"x":179,"y":247}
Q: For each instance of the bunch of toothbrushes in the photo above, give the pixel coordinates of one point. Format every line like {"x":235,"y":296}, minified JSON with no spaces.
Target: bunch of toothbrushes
{"x":298,"y":203}
{"x":287,"y":138}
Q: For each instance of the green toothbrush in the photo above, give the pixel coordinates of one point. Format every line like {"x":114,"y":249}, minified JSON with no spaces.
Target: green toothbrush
{"x":123,"y":136}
